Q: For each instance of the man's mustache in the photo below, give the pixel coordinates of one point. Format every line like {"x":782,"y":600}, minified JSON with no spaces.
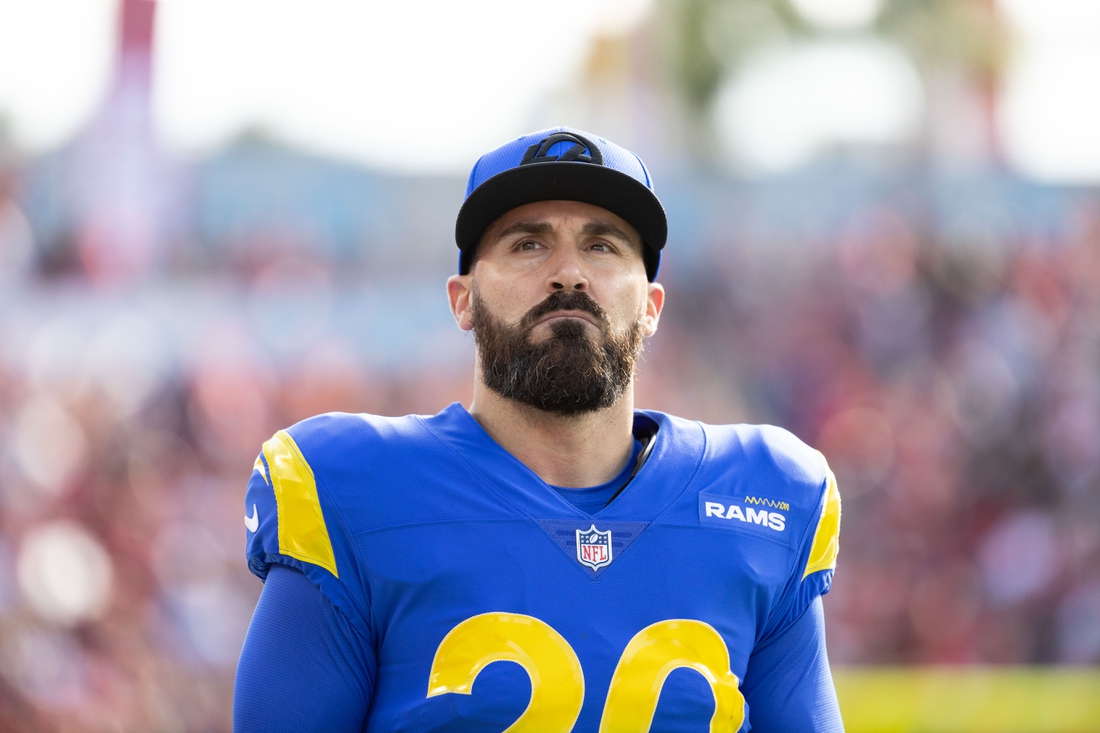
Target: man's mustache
{"x":565,"y":300}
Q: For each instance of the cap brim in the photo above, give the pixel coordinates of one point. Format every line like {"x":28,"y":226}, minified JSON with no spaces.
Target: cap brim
{"x":607,"y":188}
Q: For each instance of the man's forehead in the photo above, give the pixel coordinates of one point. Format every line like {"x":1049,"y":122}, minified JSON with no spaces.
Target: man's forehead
{"x":543,"y":217}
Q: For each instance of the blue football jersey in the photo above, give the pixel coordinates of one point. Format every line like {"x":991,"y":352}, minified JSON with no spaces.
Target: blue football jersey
{"x":447,"y":554}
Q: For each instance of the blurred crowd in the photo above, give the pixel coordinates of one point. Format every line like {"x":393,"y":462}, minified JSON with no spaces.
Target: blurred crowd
{"x":953,"y":386}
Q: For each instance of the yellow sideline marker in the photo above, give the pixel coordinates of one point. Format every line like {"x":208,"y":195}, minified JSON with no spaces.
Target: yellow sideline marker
{"x":969,"y":699}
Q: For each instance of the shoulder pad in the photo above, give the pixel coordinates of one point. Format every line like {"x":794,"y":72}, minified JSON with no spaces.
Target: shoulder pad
{"x":826,"y":541}
{"x":780,"y":449}
{"x":812,"y":572}
{"x":293,"y":520}
{"x":302,"y":532}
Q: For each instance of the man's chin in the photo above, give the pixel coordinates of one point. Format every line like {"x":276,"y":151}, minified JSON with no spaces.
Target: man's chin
{"x":568,"y":328}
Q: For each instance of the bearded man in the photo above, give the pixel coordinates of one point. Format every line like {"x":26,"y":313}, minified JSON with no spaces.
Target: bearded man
{"x":638,"y":571}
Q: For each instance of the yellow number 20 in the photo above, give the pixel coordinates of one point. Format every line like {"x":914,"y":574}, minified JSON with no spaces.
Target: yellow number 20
{"x":557,"y":682}
{"x":651,"y":656}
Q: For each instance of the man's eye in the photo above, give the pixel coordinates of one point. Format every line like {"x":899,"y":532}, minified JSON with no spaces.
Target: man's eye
{"x":600,"y":246}
{"x":527,"y":244}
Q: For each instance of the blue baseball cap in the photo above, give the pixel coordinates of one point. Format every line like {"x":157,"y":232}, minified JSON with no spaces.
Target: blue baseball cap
{"x":561,"y":164}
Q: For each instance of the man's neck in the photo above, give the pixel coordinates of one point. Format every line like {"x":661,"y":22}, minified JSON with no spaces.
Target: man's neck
{"x":574,"y":452}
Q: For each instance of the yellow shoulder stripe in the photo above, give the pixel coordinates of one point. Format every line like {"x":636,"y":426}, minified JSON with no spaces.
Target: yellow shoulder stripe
{"x":302,"y":531}
{"x":827,"y":537}
{"x":259,"y":466}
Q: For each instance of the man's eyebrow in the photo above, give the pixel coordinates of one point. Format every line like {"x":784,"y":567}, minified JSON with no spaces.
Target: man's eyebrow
{"x":603,"y":229}
{"x":527,"y":227}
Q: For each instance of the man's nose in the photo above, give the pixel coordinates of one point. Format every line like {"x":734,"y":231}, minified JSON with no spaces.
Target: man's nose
{"x":568,"y":271}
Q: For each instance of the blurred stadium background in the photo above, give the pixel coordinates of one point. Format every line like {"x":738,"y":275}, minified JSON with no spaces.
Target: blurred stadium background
{"x":218,"y":217}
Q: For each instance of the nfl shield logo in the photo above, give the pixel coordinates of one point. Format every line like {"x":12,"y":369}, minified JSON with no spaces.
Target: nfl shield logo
{"x":594,"y":547}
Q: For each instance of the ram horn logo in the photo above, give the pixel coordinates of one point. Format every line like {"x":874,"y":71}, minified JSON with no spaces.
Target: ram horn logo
{"x":582,"y":151}
{"x":594,"y":547}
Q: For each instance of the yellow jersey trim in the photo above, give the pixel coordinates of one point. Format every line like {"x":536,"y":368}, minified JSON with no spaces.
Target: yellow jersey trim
{"x":826,"y":543}
{"x":302,"y":531}
{"x":259,"y":466}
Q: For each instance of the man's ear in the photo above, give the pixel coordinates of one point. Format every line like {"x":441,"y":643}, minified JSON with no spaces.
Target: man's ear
{"x":655,"y":302}
{"x":460,"y":289}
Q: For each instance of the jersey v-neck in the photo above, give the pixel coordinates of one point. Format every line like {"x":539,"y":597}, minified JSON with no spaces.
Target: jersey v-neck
{"x":677,"y":452}
{"x":591,"y":499}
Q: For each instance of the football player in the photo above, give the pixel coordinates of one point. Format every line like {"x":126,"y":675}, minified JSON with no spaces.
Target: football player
{"x":550,"y":559}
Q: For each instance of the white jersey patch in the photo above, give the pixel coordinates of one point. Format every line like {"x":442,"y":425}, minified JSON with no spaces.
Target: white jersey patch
{"x":770,"y":518}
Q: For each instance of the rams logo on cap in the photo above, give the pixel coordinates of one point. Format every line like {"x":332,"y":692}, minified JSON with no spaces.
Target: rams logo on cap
{"x":540,"y":151}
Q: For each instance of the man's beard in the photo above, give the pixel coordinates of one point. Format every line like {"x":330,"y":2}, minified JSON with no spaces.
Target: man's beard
{"x":567,"y":373}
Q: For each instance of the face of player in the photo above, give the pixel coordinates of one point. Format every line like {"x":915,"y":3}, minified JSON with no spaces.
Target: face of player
{"x":559,"y":303}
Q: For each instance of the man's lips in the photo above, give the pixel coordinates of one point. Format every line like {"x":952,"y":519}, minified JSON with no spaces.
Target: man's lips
{"x":581,"y":315}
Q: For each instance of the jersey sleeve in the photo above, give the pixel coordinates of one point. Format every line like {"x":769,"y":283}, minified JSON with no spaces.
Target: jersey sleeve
{"x":812,"y":575}
{"x":293,"y":520}
{"x":788,"y":684}
{"x":318,"y":678}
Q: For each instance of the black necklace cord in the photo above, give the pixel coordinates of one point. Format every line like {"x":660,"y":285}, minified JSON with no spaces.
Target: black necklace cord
{"x":650,"y":441}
